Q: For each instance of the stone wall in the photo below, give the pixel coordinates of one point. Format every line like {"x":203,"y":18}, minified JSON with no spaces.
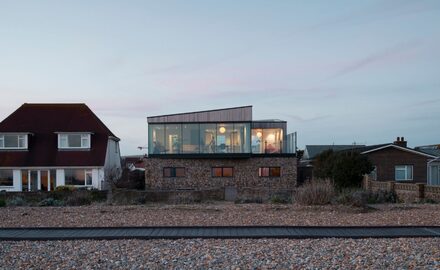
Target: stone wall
{"x":198,"y":173}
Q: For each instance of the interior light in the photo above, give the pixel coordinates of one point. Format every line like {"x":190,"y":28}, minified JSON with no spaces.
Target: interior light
{"x":222,"y":129}
{"x":259,"y":134}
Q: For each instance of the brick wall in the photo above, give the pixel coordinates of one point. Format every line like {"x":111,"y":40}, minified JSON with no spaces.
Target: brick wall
{"x":386,"y":159}
{"x":198,"y":173}
{"x":407,"y":192}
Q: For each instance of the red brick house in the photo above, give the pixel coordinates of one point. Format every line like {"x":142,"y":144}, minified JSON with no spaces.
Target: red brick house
{"x":43,"y":146}
{"x":397,"y":162}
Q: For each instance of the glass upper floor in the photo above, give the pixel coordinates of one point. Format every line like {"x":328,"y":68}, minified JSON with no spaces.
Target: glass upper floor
{"x":213,"y":138}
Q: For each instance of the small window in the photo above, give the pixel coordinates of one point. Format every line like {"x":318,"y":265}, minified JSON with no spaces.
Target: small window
{"x":68,"y":141}
{"x":13,"y":141}
{"x":174,"y":172}
{"x":269,"y":172}
{"x":403,"y":172}
{"x":222,"y":172}
{"x":6,"y":178}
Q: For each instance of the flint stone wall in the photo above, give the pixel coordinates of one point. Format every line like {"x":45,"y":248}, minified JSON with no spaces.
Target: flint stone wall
{"x":198,"y":173}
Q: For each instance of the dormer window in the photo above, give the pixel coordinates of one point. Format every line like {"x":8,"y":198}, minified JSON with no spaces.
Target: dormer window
{"x":74,"y":140}
{"x":13,"y":141}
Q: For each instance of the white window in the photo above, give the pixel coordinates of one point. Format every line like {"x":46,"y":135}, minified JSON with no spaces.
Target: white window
{"x":69,"y":141}
{"x":403,"y":172}
{"x":78,"y":177}
{"x":13,"y":141}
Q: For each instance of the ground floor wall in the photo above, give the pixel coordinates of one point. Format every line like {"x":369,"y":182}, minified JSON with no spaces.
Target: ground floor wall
{"x":47,"y":179}
{"x":199,"y":174}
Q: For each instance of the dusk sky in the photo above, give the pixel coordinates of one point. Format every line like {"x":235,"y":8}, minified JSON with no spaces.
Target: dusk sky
{"x":338,"y":71}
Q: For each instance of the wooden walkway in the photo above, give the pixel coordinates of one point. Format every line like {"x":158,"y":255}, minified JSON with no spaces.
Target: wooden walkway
{"x":223,"y":232}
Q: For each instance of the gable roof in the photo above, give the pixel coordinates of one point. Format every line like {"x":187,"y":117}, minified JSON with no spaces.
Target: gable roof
{"x":238,"y":114}
{"x":391,"y":145}
{"x":311,"y":151}
{"x":43,"y":121}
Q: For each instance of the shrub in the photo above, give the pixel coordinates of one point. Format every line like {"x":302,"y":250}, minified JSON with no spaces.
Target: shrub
{"x":353,"y":197}
{"x":97,"y":196}
{"x":65,"y":188}
{"x":16,"y":201}
{"x":315,"y":192}
{"x":2,"y":203}
{"x":78,"y":199}
{"x":278,"y":199}
{"x":51,"y":202}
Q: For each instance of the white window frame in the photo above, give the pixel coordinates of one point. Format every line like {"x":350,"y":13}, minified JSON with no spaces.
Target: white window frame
{"x":20,"y":137}
{"x":85,"y":140}
{"x":86,"y":172}
{"x":404,"y":168}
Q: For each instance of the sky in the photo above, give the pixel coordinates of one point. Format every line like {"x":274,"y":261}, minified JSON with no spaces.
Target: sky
{"x":340,"y":72}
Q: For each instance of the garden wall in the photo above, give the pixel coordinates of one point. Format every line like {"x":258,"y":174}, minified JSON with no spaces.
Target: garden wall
{"x":407,"y":192}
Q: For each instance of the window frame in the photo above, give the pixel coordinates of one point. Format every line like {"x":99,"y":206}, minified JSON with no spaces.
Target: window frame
{"x":222,"y":172}
{"x":270,"y":172}
{"x":83,"y":136}
{"x":405,"y":169}
{"x":173,"y":172}
{"x":20,"y":136}
{"x":86,"y":171}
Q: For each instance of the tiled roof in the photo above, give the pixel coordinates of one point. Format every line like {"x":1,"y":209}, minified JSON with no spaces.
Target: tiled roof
{"x":43,"y":121}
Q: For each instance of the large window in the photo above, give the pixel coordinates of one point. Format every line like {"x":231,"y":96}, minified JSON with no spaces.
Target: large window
{"x":173,"y":172}
{"x":190,"y":138}
{"x":13,"y":141}
{"x":72,"y":141}
{"x":78,"y":177}
{"x":173,"y":138}
{"x":269,"y":171}
{"x":267,"y":141}
{"x":156,"y":139}
{"x":6,"y":178}
{"x":222,"y":172}
{"x":403,"y":172}
{"x":208,"y":134}
{"x":195,"y":138}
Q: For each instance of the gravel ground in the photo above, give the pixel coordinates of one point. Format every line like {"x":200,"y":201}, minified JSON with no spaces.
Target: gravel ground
{"x":403,"y":253}
{"x":218,"y":214}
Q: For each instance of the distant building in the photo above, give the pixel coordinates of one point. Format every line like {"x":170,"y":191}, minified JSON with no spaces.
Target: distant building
{"x":43,"y":146}
{"x":219,"y":148}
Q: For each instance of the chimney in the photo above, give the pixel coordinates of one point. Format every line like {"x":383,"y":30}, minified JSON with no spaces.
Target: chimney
{"x":400,"y":141}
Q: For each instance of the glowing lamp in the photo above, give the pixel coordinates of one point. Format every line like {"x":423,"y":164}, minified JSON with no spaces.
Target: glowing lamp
{"x":259,"y":134}
{"x":222,"y":129}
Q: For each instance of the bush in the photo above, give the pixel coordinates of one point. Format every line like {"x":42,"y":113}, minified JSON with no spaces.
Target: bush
{"x":65,"y":188}
{"x":51,"y":202}
{"x":97,"y":196}
{"x":353,"y":197}
{"x":315,"y":192}
{"x":278,"y":199}
{"x":16,"y":201}
{"x":248,"y":200}
{"x":78,"y":199}
{"x":2,"y":203}
{"x":383,"y":196}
